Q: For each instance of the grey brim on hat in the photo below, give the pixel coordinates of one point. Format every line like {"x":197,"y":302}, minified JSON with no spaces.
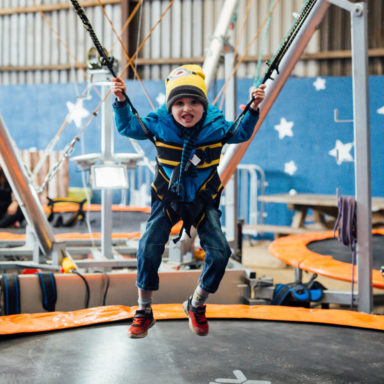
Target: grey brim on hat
{"x":186,"y":91}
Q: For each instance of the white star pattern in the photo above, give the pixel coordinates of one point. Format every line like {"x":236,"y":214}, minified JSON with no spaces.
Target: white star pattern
{"x":342,"y":152}
{"x":284,"y":128}
{"x":77,"y":112}
{"x":380,"y":111}
{"x":290,"y":168}
{"x":319,"y":84}
{"x":160,"y":99}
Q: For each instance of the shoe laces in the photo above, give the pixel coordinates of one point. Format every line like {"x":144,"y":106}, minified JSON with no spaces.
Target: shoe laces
{"x":139,"y":320}
{"x":199,"y":313}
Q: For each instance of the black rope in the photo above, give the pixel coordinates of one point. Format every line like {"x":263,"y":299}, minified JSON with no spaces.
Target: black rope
{"x":87,"y":295}
{"x":275,"y":62}
{"x":288,"y":40}
{"x":105,"y":59}
{"x":106,"y":288}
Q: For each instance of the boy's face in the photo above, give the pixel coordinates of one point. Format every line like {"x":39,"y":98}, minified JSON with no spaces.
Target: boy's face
{"x":187,"y":111}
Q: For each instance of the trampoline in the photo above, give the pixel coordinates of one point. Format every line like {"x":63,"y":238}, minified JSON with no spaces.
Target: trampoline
{"x":237,"y":350}
{"x":322,"y":254}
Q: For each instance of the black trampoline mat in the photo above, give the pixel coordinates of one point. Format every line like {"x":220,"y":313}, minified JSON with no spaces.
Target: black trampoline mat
{"x":340,"y":252}
{"x":243,"y":352}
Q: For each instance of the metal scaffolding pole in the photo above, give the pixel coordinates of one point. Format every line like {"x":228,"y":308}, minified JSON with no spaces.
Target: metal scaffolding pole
{"x":216,"y":46}
{"x":25,"y":193}
{"x":359,"y":40}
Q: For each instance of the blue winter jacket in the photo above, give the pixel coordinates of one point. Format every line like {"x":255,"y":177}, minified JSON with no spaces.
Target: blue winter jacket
{"x":160,"y":123}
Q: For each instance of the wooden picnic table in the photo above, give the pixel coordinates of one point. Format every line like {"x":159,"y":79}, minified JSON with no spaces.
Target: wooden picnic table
{"x":324,"y":212}
{"x":320,"y":205}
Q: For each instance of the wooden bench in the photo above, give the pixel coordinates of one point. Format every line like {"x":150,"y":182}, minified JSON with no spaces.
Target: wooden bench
{"x":277,"y":230}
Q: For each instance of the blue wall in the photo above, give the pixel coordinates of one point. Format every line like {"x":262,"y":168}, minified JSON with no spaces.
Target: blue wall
{"x":35,"y":113}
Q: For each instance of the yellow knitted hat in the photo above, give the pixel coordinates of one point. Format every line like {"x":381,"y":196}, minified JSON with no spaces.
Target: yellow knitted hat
{"x":186,"y":81}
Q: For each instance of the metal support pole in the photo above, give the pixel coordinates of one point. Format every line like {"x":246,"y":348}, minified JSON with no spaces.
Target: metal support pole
{"x":231,"y":198}
{"x":215,"y":48}
{"x":25,"y":193}
{"x":362,"y":155}
{"x":107,"y":156}
{"x":359,"y":40}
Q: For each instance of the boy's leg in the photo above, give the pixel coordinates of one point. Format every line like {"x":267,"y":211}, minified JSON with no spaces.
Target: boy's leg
{"x":217,"y":253}
{"x":216,"y":248}
{"x":143,"y":319}
{"x":195,"y":309}
{"x":151,"y":249}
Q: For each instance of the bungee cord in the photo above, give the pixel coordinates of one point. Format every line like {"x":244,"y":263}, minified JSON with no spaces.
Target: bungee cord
{"x":70,"y":146}
{"x":273,"y":64}
{"x":134,"y":144}
{"x":236,"y":48}
{"x":241,"y":59}
{"x":128,"y":21}
{"x":108,"y":62}
{"x":266,"y":32}
{"x":126,"y":54}
{"x":55,"y":139}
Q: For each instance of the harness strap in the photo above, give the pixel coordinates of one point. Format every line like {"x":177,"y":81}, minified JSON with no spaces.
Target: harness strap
{"x":192,"y":213}
{"x":79,"y":214}
{"x":169,"y":154}
{"x":11,"y":292}
{"x":48,"y":290}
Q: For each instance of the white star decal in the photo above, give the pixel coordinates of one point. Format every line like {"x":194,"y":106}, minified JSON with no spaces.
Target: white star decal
{"x":319,"y":84}
{"x":77,"y":112}
{"x":284,"y":128}
{"x":290,"y":168}
{"x":160,"y":99}
{"x":380,"y":111}
{"x":342,"y":152}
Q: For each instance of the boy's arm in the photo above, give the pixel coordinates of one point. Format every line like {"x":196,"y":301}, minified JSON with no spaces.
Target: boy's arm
{"x":247,"y":125}
{"x":126,"y":122}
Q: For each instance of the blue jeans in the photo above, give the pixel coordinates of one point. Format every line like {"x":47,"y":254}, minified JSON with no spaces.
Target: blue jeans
{"x":152,"y":245}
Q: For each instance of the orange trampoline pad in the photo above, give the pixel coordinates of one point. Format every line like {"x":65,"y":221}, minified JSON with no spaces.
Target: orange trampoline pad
{"x":53,"y":321}
{"x":4,"y":236}
{"x":73,"y":207}
{"x":293,"y":251}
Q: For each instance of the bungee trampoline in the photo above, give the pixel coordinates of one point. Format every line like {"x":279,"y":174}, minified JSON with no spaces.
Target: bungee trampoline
{"x":322,"y":254}
{"x":244,"y":346}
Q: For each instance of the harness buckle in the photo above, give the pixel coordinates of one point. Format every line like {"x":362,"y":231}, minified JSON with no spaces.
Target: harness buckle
{"x":204,"y":154}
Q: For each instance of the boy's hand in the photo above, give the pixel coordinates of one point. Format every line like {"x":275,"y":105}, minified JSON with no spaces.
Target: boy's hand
{"x":118,"y":86}
{"x":258,"y":95}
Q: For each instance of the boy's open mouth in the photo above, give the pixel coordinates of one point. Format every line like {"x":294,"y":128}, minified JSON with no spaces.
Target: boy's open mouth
{"x":187,"y":118}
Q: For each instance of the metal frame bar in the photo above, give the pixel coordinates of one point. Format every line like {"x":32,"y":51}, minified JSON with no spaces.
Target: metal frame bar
{"x":25,"y":193}
{"x":359,"y":35}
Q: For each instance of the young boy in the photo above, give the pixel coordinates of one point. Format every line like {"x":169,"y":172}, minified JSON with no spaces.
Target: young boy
{"x":188,"y":134}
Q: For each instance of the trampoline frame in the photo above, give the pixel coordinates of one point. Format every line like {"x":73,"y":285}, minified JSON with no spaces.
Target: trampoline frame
{"x":293,"y":251}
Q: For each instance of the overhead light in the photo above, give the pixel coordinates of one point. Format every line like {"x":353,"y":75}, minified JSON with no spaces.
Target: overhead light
{"x":109,"y":176}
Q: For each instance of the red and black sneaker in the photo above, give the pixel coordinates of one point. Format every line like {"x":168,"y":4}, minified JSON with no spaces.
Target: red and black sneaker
{"x":142,"y":321}
{"x":197,"y":321}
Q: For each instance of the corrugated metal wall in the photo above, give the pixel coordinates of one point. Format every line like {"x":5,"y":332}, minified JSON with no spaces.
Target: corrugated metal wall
{"x":335,"y":45}
{"x":43,"y":41}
